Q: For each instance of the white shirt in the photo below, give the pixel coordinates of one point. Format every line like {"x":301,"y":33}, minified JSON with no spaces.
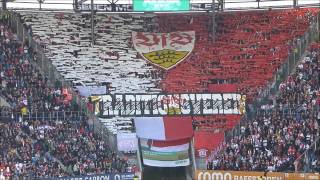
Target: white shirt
{"x":265,"y":142}
{"x":2,"y":176}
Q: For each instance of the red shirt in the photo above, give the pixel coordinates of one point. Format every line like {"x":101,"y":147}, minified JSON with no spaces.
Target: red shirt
{"x":291,"y":150}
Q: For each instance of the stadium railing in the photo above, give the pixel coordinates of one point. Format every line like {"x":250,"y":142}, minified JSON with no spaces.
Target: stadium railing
{"x":7,"y":113}
{"x":306,"y":162}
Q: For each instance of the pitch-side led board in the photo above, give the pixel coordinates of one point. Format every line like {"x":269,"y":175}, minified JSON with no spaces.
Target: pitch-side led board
{"x":161,"y":5}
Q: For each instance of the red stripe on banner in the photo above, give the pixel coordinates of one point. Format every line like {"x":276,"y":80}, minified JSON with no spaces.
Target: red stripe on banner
{"x":177,"y":128}
{"x":157,"y":143}
{"x":164,"y":40}
{"x":207,"y":140}
{"x":222,"y":88}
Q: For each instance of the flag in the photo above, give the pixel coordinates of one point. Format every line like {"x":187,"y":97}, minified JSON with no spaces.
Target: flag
{"x":191,"y":21}
{"x":164,"y":128}
{"x":207,"y":140}
{"x":165,"y":153}
{"x":169,"y":146}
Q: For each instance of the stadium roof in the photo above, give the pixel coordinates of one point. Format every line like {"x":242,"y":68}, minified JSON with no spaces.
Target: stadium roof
{"x":230,"y":4}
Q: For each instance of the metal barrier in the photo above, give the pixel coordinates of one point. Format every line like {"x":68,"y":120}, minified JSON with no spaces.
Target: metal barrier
{"x":308,"y":157}
{"x":76,"y":116}
{"x":53,"y":116}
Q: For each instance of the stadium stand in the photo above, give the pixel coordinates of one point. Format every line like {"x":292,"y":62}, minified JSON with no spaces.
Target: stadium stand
{"x":247,"y":51}
{"x":23,"y":86}
{"x":114,"y":29}
{"x":112,"y":59}
{"x":36,"y":147}
{"x":25,"y":157}
{"x":276,"y":137}
{"x":67,"y":44}
{"x":243,"y":51}
{"x":250,"y":47}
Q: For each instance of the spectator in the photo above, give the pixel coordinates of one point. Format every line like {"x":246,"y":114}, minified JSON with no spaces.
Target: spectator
{"x":274,"y":140}
{"x":44,"y":148}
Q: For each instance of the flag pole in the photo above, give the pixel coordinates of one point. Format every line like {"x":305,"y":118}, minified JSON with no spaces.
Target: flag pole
{"x":139,"y":156}
{"x":193,"y":154}
{"x":92,"y":23}
{"x":213,"y":20}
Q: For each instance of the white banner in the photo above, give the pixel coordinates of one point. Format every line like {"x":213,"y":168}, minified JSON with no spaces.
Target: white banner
{"x":127,"y":142}
{"x":155,"y":105}
{"x":91,"y":90}
{"x":155,"y":163}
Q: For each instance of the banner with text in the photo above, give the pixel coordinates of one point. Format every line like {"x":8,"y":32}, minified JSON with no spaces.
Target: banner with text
{"x":155,"y":105}
{"x":112,"y":176}
{"x":156,"y":155}
{"x":95,"y":100}
{"x":247,"y":175}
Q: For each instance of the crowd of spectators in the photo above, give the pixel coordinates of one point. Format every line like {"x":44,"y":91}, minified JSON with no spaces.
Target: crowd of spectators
{"x":75,"y":145}
{"x":23,"y":156}
{"x":40,"y":148}
{"x":271,"y":141}
{"x":274,"y":139}
{"x":21,"y":83}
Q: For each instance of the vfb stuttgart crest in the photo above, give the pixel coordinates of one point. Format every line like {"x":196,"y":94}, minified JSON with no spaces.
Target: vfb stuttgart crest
{"x":165,"y":50}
